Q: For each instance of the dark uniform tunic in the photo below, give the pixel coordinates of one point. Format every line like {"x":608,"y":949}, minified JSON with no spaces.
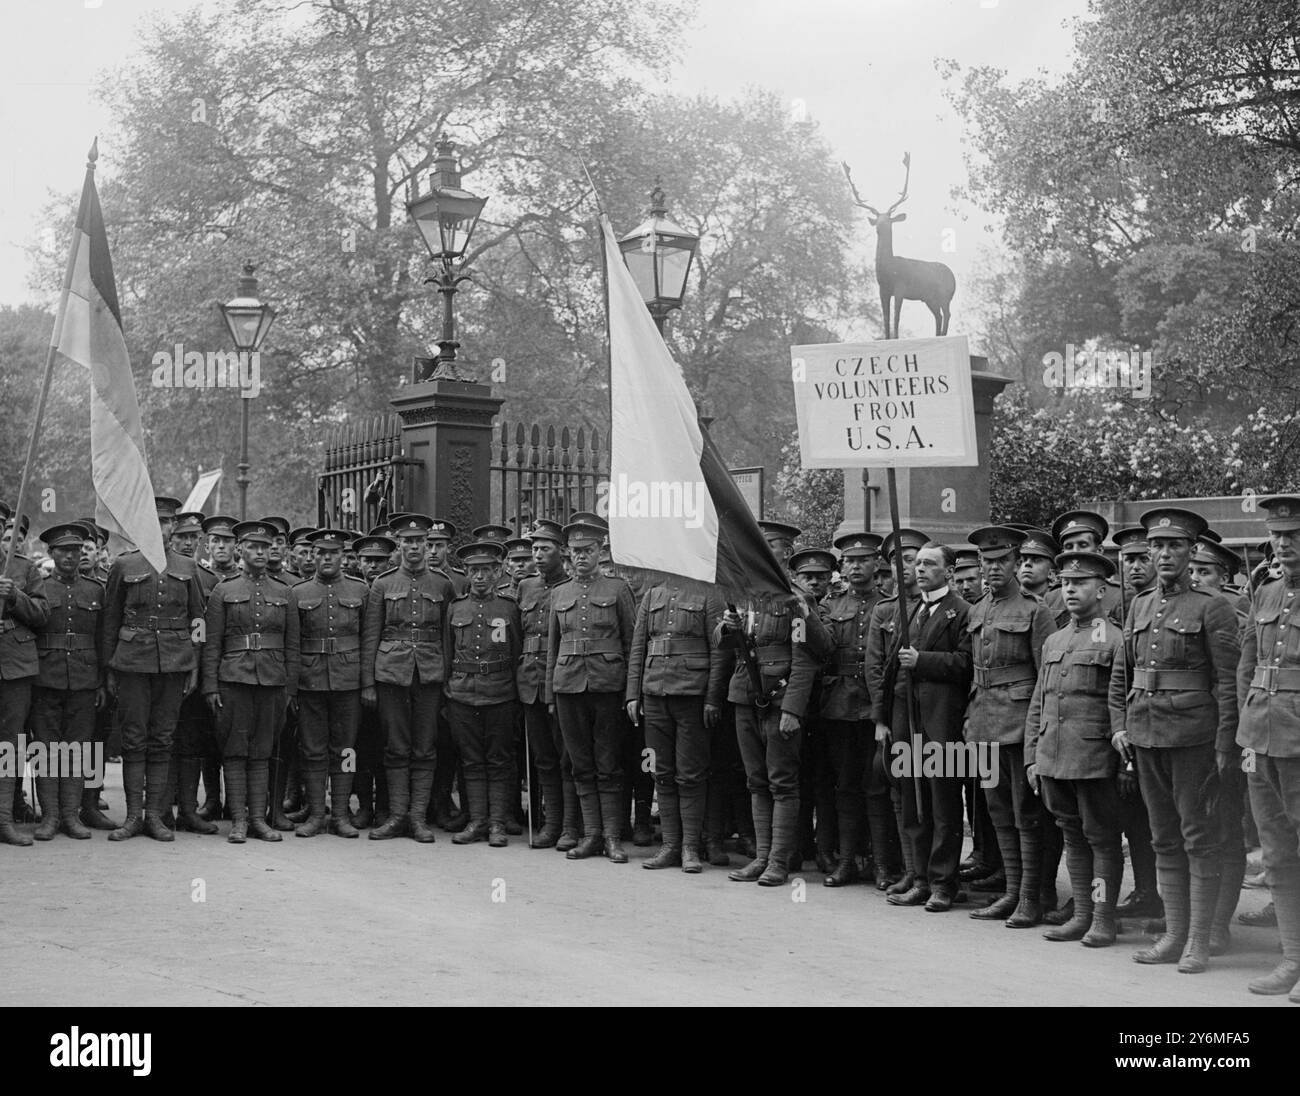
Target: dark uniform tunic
{"x":403,"y":655}
{"x":329,"y":684}
{"x":251,"y":659}
{"x":485,"y":642}
{"x":1182,"y":645}
{"x":151,"y":641}
{"x":19,"y":663}
{"x":70,"y":644}
{"x":545,"y":743}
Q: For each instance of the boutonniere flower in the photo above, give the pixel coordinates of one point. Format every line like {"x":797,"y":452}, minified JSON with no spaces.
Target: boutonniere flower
{"x":952,"y":614}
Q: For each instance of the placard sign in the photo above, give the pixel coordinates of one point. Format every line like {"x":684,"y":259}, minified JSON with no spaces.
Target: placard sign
{"x":902,"y":403}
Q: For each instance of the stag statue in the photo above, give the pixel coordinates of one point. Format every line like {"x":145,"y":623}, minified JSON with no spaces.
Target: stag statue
{"x":903,"y":279}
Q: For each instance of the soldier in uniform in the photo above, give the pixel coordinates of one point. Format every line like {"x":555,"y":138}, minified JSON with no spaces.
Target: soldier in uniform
{"x":92,"y":550}
{"x":519,"y":562}
{"x":675,"y":682}
{"x":845,"y":706}
{"x":23,"y":609}
{"x":1268,"y":685}
{"x":302,"y":549}
{"x":70,"y":683}
{"x":1084,"y":531}
{"x":331,"y":606}
{"x":403,"y":668}
{"x":448,"y":773}
{"x":881,"y":664}
{"x":884,"y":578}
{"x":151,"y":648}
{"x":195,"y":719}
{"x":221,"y":564}
{"x":373,"y":555}
{"x":1182,"y":718}
{"x":1078,"y":705}
{"x":278,"y":561}
{"x":1007,"y":631}
{"x":250,"y":673}
{"x":589,"y":636}
{"x":563,"y":825}
{"x":810,"y":571}
{"x":967,"y":577}
{"x":770,"y":688}
{"x":485,"y":641}
{"x":1136,"y":574}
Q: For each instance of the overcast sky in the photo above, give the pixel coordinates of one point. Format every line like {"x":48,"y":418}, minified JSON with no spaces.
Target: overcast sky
{"x":862,"y":69}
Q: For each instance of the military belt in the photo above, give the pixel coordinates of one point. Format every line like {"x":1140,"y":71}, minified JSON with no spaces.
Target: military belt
{"x":1276,"y":679}
{"x":65,"y":641}
{"x":470,"y":666}
{"x":534,"y":645}
{"x":1171,"y":681}
{"x":986,"y":677}
{"x":847,"y":667}
{"x":253,"y":641}
{"x":773,"y":652}
{"x":331,"y":646}
{"x":677,"y":645}
{"x":606,"y":646}
{"x":155,"y":623}
{"x":413,"y":635}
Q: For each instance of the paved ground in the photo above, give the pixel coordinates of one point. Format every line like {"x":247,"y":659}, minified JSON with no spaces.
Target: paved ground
{"x":328,"y":921}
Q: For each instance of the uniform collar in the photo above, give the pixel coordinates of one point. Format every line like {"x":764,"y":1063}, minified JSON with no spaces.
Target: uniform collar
{"x":1180,"y":586}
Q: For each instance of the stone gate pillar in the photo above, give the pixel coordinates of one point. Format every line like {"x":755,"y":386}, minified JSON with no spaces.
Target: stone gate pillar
{"x":447,"y":433}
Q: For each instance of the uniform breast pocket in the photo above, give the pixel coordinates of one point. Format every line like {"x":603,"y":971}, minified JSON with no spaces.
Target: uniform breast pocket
{"x":137,"y":590}
{"x":566,"y":609}
{"x":1011,"y":641}
{"x":88,"y":603}
{"x":311,"y":605}
{"x":395,"y":607}
{"x":351,"y":605}
{"x":276,"y":608}
{"x":1091,"y":670}
{"x":604,"y":610}
{"x":1181,"y":638}
{"x":774,"y":626}
{"x":430,"y":609}
{"x":1268,"y":633}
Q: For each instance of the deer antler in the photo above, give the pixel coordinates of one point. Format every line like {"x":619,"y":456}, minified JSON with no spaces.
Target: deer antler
{"x":902,"y":195}
{"x":856,"y":196}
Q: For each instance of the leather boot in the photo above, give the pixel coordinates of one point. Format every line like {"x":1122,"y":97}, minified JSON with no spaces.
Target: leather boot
{"x":157,"y":786}
{"x":593,"y":838}
{"x":571,"y":831}
{"x":340,"y":823}
{"x":500,"y":793}
{"x":690,"y":811}
{"x":691,"y":863}
{"x":670,"y":824}
{"x":844,"y":873}
{"x":785,"y":833}
{"x":91,"y":816}
{"x":476,"y":828}
{"x":1174,"y":890}
{"x":133,"y":786}
{"x":399,"y":799}
{"x":553,"y":812}
{"x":211,"y":809}
{"x":611,"y":821}
{"x":1286,"y":901}
{"x":714,"y":830}
{"x":844,"y":870}
{"x":187,"y":789}
{"x":1108,"y":869}
{"x":1203,"y":893}
{"x":1233,"y":871}
{"x":643,"y":833}
{"x":69,"y":805}
{"x":418,"y":810}
{"x":278,"y":772}
{"x":1029,"y":910}
{"x":315,"y":780}
{"x":1002,"y":908}
{"x":235,"y":773}
{"x":258,"y":790}
{"x":9,"y":835}
{"x":751,"y":872}
{"x":1079,"y":863}
{"x":1141,"y":903}
{"x":47,"y":794}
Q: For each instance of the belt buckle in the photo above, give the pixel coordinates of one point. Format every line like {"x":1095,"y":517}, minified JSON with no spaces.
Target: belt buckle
{"x":1270,"y":677}
{"x":483,"y":668}
{"x":255,"y":641}
{"x":331,"y":646}
{"x":151,"y":623}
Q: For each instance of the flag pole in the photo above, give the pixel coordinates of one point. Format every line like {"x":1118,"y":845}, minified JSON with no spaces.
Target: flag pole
{"x":25,"y":484}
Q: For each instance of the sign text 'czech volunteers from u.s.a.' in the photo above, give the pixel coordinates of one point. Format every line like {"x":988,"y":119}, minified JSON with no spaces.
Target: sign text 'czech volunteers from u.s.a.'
{"x":900,"y":402}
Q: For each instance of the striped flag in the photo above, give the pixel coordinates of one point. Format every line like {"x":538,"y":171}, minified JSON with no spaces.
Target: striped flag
{"x":88,"y":332}
{"x":671,"y":505}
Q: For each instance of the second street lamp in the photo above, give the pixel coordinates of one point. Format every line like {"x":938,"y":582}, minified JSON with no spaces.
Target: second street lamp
{"x":248,"y":321}
{"x":446,"y":217}
{"x":658,"y":254}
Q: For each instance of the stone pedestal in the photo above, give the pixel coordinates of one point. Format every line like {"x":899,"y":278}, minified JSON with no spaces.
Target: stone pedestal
{"x":947,"y":503}
{"x":447,"y":437}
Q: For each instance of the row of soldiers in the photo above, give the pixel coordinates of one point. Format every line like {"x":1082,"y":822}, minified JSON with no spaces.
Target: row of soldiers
{"x":1075,"y":691}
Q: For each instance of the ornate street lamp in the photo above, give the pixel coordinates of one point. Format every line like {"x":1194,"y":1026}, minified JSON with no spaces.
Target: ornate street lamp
{"x":248,"y":321}
{"x":446,"y":217}
{"x":658,"y":254}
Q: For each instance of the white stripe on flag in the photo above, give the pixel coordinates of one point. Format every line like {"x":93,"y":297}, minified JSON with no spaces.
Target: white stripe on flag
{"x":661,"y":515}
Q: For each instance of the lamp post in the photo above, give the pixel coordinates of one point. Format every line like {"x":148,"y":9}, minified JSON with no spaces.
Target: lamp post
{"x":446,"y":217}
{"x":248,"y":321}
{"x":658,"y":254}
